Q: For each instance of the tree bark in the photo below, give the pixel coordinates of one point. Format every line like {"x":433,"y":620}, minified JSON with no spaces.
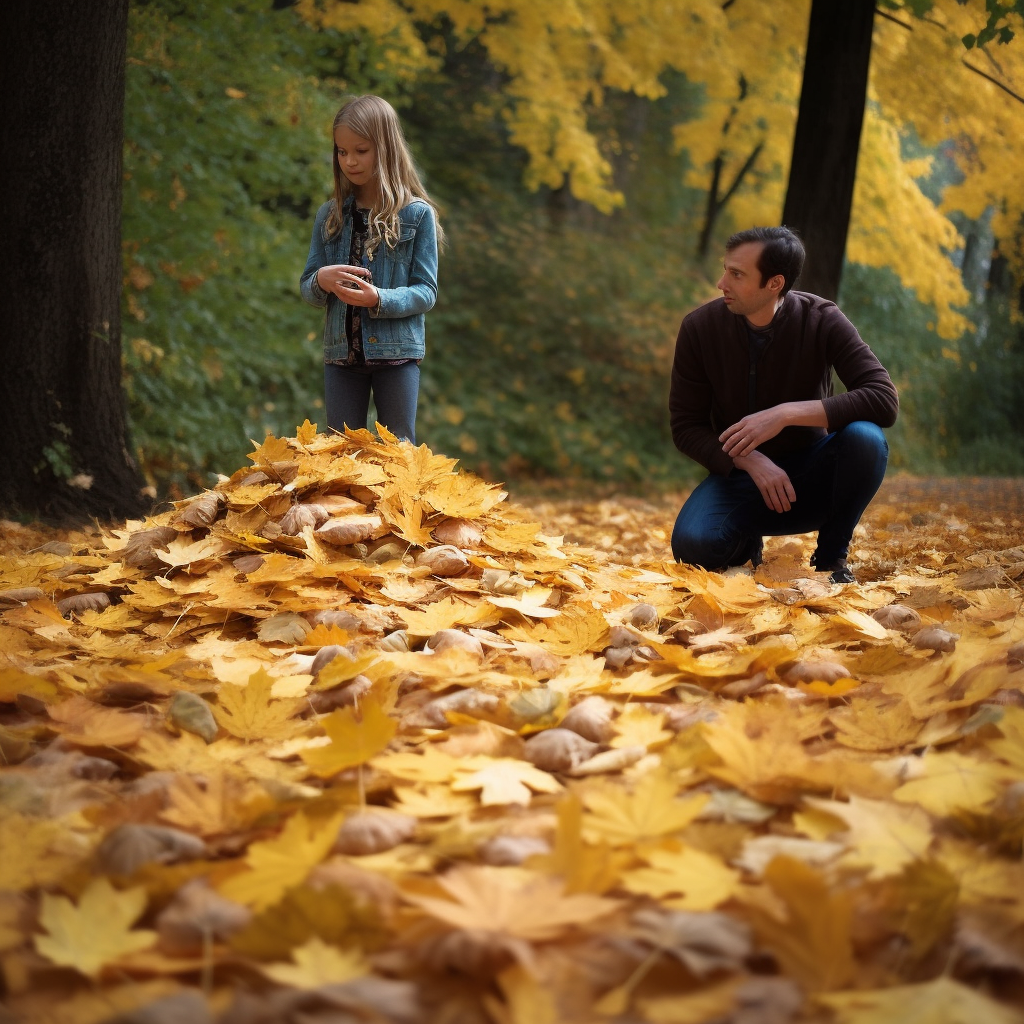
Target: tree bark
{"x":63,"y":449}
{"x":824,"y":166}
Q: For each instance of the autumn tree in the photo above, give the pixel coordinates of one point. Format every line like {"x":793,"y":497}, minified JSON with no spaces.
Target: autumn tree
{"x":562,"y":62}
{"x":64,"y":451}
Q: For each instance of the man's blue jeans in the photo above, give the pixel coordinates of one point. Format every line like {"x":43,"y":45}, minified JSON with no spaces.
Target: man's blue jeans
{"x":395,"y":394}
{"x":723,"y":520}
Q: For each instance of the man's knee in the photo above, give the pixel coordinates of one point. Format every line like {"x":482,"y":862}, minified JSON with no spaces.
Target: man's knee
{"x":865,"y":438}
{"x":690,"y":543}
{"x":695,"y":544}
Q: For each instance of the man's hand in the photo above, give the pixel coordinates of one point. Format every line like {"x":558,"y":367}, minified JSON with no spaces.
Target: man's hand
{"x":772,"y":481}
{"x":745,"y":435}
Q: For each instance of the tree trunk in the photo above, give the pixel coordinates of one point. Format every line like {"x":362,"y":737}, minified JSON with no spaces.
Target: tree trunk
{"x":63,"y":449}
{"x":828,"y":126}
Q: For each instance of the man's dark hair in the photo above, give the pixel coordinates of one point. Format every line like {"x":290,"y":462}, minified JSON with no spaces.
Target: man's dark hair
{"x":783,"y":253}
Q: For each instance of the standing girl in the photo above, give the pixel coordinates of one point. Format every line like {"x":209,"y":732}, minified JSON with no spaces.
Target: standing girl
{"x":373,"y":264}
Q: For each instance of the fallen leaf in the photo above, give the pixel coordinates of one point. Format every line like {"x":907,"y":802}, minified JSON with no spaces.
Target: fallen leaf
{"x":250,"y":712}
{"x":650,"y":811}
{"x":502,"y":780}
{"x":277,"y":865}
{"x":97,"y":931}
{"x":942,"y":1001}
{"x":315,"y":964}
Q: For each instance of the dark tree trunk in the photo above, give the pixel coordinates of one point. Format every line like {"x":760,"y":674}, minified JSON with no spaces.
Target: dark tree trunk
{"x":824,"y":166}
{"x":63,"y":448}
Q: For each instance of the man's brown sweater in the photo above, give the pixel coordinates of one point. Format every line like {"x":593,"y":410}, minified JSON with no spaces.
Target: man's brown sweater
{"x":713,"y":376}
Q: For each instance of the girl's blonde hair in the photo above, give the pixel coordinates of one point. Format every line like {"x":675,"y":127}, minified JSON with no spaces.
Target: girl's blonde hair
{"x":398,"y":183}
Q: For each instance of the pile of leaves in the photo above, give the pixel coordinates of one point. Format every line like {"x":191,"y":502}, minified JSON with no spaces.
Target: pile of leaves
{"x":350,"y":738}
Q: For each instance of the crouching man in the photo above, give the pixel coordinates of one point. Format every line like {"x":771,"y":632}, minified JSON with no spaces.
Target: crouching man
{"x":752,"y":401}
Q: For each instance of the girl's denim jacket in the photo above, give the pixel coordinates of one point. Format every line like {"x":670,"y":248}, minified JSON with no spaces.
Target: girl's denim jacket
{"x":405,"y":277}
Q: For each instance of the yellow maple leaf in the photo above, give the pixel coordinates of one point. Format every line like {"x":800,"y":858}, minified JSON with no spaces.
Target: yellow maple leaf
{"x":983,"y":879}
{"x":317,"y":963}
{"x":576,"y":631}
{"x":445,"y":614}
{"x":91,"y":725}
{"x":942,"y":1001}
{"x":355,"y":736}
{"x":430,"y":765}
{"x":962,"y":679}
{"x":875,"y":724}
{"x":502,"y":780}
{"x":581,"y":674}
{"x":642,"y":683}
{"x":650,"y":811}
{"x":250,"y":712}
{"x":512,"y":901}
{"x":37,"y":851}
{"x":432,"y":801}
{"x":277,"y":865}
{"x":13,"y":681}
{"x":406,"y":516}
{"x":273,"y":449}
{"x":585,"y":867}
{"x":512,"y":537}
{"x":882,"y":837}
{"x":188,"y":753}
{"x":860,"y":624}
{"x":97,"y":931}
{"x":763,"y":753}
{"x":223,"y":804}
{"x":951,"y":781}
{"x":306,"y":433}
{"x":342,"y":669}
{"x":463,"y":496}
{"x":813,"y":944}
{"x":638,"y":727}
{"x":193,"y":556}
{"x":415,"y":469}
{"x":531,"y":603}
{"x":701,"y":879}
{"x":323,"y":636}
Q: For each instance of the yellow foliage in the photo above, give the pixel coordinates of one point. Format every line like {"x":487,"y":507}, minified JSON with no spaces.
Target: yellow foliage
{"x":97,"y":931}
{"x":561,"y":60}
{"x":277,"y":865}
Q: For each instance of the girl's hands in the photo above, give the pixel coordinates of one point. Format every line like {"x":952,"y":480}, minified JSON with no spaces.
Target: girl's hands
{"x":348,"y":283}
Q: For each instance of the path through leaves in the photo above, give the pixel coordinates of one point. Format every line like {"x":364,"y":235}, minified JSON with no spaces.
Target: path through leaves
{"x":352,"y":738}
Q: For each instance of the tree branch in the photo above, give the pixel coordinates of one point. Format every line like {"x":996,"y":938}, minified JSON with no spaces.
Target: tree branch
{"x":892,"y":17}
{"x":994,"y":81}
{"x":970,"y":67}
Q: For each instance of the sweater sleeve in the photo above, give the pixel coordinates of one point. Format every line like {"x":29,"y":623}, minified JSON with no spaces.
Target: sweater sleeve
{"x":870,"y":393}
{"x":689,"y":403}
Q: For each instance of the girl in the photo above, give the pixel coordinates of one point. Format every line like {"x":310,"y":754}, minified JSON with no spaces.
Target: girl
{"x":373,"y":264}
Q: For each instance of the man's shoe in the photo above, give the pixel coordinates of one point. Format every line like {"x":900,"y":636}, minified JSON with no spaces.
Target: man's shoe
{"x":839,"y":572}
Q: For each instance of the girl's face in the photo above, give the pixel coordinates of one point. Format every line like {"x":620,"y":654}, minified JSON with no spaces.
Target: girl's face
{"x":357,"y":157}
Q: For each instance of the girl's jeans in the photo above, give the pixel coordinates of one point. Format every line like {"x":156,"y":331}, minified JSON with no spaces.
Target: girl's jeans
{"x":723,"y":520}
{"x":395,"y":393}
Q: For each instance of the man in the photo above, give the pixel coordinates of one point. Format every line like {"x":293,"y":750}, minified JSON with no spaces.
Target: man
{"x":752,"y":401}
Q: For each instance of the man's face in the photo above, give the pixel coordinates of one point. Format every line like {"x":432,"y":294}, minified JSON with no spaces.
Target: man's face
{"x":740,"y":285}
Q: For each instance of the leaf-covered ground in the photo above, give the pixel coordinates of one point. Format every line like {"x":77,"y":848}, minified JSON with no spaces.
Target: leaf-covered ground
{"x":354,"y":738}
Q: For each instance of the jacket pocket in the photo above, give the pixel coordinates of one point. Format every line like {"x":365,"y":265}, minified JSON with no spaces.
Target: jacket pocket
{"x":402,"y":252}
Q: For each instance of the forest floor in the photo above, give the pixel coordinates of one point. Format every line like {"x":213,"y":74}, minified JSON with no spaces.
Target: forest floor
{"x":353,"y":738}
{"x":628,"y":527}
